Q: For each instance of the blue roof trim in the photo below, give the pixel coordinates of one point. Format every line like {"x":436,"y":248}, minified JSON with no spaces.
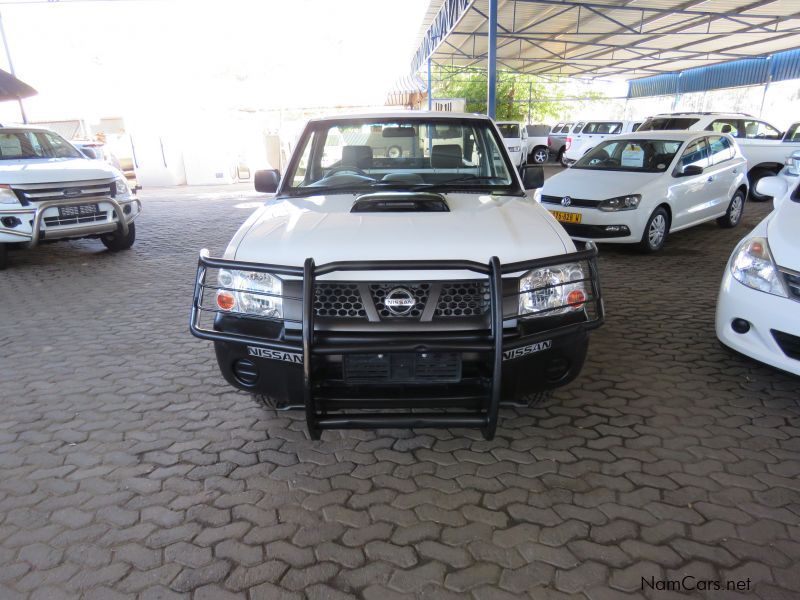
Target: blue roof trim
{"x":748,"y":71}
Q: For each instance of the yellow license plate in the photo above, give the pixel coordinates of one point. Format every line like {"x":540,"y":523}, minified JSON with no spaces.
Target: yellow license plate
{"x":566,"y":217}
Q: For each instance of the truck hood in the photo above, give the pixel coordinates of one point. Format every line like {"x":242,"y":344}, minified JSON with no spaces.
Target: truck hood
{"x":782,"y":235}
{"x":289,"y":230}
{"x":589,"y":184}
{"x":52,"y":170}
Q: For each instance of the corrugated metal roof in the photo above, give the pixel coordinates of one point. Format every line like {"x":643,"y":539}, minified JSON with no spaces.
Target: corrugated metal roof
{"x":609,"y":38}
{"x":751,"y":71}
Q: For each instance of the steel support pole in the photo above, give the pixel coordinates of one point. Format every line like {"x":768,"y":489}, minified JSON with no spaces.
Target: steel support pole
{"x":491,"y":91}
{"x":430,"y":86}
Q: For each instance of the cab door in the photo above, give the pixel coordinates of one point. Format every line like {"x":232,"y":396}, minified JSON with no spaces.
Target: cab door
{"x":690,"y":192}
{"x":723,"y":173}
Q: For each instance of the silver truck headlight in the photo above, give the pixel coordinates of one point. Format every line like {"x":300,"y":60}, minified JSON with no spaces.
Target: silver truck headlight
{"x":552,"y":290}
{"x":250,"y":292}
{"x":7,"y":195}
{"x":753,"y":266}
{"x":629,"y":202}
{"x":121,"y":188}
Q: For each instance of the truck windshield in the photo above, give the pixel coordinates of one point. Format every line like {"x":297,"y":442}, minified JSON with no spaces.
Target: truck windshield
{"x":509,"y":130}
{"x":406,"y":154}
{"x":638,"y":155}
{"x":22,"y":144}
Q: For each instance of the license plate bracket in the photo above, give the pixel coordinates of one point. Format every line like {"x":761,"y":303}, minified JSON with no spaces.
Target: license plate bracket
{"x":566,"y":217}
{"x":403,"y":367}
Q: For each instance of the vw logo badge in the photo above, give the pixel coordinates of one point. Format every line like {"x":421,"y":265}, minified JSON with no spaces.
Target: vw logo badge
{"x":399,"y":301}
{"x":566,"y":201}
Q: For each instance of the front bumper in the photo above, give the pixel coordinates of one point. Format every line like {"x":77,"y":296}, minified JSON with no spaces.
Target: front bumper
{"x":510,"y":356}
{"x":621,"y":227}
{"x":766,"y":314}
{"x":32,"y":228}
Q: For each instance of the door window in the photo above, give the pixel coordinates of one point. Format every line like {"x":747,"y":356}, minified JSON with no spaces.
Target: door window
{"x":759,"y":130}
{"x":730,"y":126}
{"x":696,"y":153}
{"x":793,"y":135}
{"x":578,"y":127}
{"x":720,"y":148}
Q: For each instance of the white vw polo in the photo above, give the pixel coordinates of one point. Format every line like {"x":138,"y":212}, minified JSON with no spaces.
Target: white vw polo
{"x":639,"y":187}
{"x":758,"y":309}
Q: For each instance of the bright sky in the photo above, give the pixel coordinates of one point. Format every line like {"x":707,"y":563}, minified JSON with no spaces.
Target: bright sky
{"x":94,"y":59}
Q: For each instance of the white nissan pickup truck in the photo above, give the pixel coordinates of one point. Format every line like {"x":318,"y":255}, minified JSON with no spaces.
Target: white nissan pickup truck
{"x":50,"y":191}
{"x":409,"y":290}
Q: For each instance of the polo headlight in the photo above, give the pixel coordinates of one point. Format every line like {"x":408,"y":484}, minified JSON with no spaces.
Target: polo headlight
{"x":752,"y":265}
{"x":7,"y":195}
{"x":121,"y":188}
{"x":513,"y":148}
{"x":629,"y":202}
{"x":250,"y":292}
{"x":552,"y":290}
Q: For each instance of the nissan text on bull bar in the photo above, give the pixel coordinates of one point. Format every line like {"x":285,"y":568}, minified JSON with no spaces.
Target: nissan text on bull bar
{"x":420,"y":288}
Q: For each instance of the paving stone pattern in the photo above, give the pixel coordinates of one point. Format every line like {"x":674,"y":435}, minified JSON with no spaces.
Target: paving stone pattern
{"x":129,"y":469}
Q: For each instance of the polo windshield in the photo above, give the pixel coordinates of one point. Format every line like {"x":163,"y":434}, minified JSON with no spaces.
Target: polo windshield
{"x":642,"y":155}
{"x":418,"y":154}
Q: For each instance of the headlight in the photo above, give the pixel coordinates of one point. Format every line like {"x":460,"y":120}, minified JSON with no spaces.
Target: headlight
{"x":7,"y":195}
{"x":250,"y":292}
{"x":122,"y":189}
{"x":513,"y":148}
{"x":620,"y":203}
{"x":552,"y":290}
{"x":752,"y":265}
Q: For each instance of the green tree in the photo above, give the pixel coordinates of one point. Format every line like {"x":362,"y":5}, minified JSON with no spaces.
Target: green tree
{"x":514,"y":90}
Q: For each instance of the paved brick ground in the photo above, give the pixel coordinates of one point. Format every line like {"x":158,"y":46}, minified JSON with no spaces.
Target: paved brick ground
{"x":129,"y":469}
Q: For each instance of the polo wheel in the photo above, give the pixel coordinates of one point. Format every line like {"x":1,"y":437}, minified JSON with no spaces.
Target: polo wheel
{"x":733,"y":215}
{"x":655,"y":231}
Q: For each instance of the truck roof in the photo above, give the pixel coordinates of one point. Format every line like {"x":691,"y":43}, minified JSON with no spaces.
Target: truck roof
{"x":402,"y":114}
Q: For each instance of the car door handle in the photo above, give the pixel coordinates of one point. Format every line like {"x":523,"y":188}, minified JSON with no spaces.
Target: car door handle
{"x":711,"y":178}
{"x":735,"y":171}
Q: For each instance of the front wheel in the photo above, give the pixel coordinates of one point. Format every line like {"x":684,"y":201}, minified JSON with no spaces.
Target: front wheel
{"x":754,"y":177}
{"x":655,"y":232}
{"x":116,"y":241}
{"x":733,"y":215}
{"x":540,"y":155}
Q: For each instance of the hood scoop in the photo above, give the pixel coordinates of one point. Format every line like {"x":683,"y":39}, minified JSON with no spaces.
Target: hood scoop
{"x":400,"y":202}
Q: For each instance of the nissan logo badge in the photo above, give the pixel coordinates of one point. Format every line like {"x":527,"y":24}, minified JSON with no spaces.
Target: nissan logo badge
{"x":399,"y":301}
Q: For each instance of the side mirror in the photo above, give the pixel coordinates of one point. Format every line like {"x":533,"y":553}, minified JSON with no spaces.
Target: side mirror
{"x":772,"y":186}
{"x":532,"y":177}
{"x":690,"y":171}
{"x":267,"y":181}
{"x":89,"y":153}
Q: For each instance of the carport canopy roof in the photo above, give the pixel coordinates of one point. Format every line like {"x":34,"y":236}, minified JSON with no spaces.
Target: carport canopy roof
{"x":606,"y":38}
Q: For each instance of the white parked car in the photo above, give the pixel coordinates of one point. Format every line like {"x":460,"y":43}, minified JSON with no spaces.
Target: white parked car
{"x":50,"y":191}
{"x":637,"y":188}
{"x":762,"y":144}
{"x":757,"y":309}
{"x":591,"y":134}
{"x":419,"y":282}
{"x":515,"y":138}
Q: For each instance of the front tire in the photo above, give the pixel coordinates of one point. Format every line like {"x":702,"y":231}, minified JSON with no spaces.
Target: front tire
{"x":733,"y":215}
{"x":117,"y":242}
{"x":754,"y":177}
{"x":540,"y":155}
{"x":3,"y":256}
{"x":655,"y":231}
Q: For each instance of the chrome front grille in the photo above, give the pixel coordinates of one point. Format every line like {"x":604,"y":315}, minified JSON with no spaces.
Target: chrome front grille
{"x":573,"y":201}
{"x":792,"y":280}
{"x":70,"y":190}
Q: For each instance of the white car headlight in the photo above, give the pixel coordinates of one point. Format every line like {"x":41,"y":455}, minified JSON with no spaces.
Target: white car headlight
{"x":7,"y":195}
{"x":752,"y":265}
{"x":629,"y":202}
{"x":250,"y":292}
{"x":552,"y":290}
{"x":513,"y":148}
{"x":122,"y":190}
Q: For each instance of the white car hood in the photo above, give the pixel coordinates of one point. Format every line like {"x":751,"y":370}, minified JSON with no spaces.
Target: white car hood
{"x":782,"y":234}
{"x":52,"y":170}
{"x":591,"y":184}
{"x":287,"y":231}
